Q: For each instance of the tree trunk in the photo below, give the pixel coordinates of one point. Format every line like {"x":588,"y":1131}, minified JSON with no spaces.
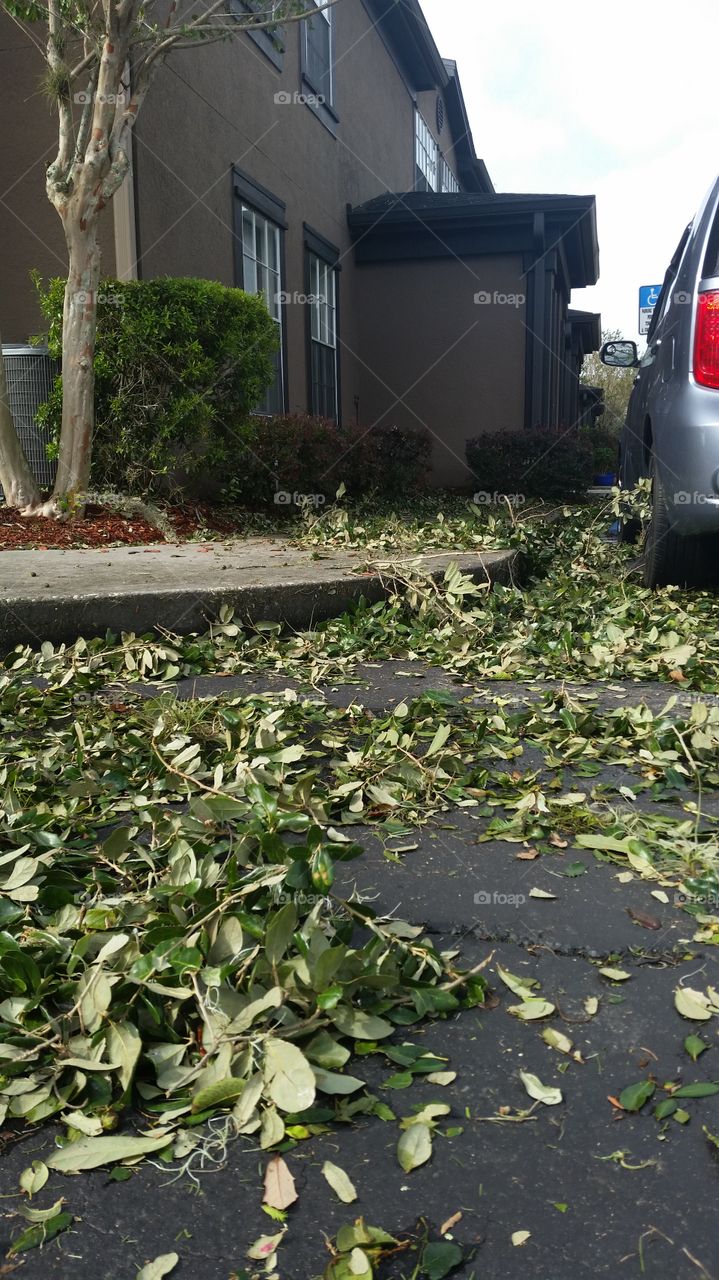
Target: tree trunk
{"x":79,"y":323}
{"x":17,"y":480}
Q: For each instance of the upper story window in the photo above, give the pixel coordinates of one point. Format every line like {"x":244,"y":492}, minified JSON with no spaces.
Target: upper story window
{"x":318,"y":53}
{"x":432,"y":173}
{"x":426,"y":155}
{"x":269,"y":39}
{"x":448,"y":180}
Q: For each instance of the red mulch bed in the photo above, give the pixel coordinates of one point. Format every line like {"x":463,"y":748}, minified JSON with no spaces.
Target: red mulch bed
{"x":102,"y":528}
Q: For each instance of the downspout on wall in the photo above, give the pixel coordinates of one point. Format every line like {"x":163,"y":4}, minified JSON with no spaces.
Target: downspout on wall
{"x":124,"y":217}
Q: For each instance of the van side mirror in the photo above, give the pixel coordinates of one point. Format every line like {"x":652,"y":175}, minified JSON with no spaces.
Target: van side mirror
{"x":620,"y":355}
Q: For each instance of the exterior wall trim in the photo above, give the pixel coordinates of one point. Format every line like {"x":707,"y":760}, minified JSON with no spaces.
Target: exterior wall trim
{"x":259,"y":197}
{"x":317,"y":244}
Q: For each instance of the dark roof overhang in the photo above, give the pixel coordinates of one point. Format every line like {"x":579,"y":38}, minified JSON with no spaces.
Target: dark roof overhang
{"x":586,"y":330}
{"x":417,"y":224}
{"x":472,"y":171}
{"x":402,"y":24}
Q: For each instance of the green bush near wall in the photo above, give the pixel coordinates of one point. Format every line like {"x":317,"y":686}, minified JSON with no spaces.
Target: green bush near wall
{"x":179,"y":364}
{"x":540,"y":463}
{"x":299,"y":459}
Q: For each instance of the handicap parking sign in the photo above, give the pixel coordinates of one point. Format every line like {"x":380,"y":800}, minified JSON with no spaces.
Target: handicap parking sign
{"x":648,"y":299}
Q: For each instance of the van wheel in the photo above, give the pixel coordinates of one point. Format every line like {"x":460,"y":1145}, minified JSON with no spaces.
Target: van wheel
{"x":670,"y":559}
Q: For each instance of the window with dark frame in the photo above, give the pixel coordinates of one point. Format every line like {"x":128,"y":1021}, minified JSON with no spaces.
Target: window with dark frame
{"x":269,"y":39}
{"x":323,"y":337}
{"x":426,"y":155}
{"x":321,"y":274}
{"x":317,"y":54}
{"x":432,"y":172}
{"x":262,"y":274}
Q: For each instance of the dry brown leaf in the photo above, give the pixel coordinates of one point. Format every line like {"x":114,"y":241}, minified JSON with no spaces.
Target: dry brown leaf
{"x":451,"y":1222}
{"x":647,"y":922}
{"x":527,"y":855}
{"x":556,"y":840}
{"x":280,"y":1190}
{"x":677,"y":675}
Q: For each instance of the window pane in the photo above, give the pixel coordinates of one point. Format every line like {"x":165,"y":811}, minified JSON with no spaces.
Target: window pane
{"x":249,"y":275}
{"x":273,"y":248}
{"x":323,"y":313}
{"x":427,"y":155}
{"x":449,"y":182}
{"x":261,"y":275}
{"x":324,"y":381}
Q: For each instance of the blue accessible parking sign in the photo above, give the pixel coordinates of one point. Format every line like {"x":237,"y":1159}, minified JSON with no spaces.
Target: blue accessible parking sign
{"x":648,"y":299}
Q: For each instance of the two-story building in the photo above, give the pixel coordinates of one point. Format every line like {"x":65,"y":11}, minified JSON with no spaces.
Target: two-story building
{"x":331,"y":167}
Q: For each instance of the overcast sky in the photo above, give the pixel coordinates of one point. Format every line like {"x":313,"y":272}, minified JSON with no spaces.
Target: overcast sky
{"x":611,"y":100}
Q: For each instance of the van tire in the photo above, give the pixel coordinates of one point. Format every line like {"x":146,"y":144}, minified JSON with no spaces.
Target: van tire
{"x":669,"y":559}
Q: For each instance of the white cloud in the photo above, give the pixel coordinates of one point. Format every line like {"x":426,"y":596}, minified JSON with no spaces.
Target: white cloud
{"x":586,"y":98}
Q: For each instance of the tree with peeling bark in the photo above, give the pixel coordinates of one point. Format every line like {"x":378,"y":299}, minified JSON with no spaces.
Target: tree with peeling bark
{"x":101,"y":58}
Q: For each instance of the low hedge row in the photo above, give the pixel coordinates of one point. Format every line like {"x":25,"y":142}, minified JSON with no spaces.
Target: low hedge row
{"x":302,"y":460}
{"x":541,"y":463}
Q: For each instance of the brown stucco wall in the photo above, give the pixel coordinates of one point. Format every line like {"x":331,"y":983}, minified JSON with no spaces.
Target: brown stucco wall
{"x":436,"y":358}
{"x":188,"y":138}
{"x":30,"y":230}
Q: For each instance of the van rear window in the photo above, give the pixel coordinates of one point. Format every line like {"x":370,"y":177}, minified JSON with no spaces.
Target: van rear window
{"x":711,"y":261}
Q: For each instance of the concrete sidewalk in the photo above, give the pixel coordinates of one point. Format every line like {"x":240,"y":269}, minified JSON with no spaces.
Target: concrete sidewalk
{"x":60,"y":595}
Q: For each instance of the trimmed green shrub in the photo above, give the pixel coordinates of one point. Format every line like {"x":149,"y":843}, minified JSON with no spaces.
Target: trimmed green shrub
{"x":179,"y":364}
{"x":605,"y":449}
{"x":539,"y":463}
{"x":298,"y":458}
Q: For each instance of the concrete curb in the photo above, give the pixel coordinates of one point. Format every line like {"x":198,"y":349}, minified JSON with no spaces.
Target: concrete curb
{"x":70,"y":599}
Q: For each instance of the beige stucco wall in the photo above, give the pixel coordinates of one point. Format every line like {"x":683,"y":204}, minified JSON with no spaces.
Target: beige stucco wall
{"x":434,"y":357}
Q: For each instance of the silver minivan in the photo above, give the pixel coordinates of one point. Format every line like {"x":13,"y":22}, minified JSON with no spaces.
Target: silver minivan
{"x":671,"y":434}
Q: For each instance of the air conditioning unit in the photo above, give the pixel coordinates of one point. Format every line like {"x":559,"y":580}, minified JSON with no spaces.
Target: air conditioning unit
{"x":31,"y":373}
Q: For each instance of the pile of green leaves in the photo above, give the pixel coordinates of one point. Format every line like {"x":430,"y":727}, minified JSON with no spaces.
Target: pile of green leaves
{"x":579,"y":615}
{"x":170,"y":939}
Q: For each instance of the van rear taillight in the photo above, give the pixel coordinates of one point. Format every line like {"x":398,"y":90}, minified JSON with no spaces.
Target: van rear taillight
{"x":706,"y":341}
